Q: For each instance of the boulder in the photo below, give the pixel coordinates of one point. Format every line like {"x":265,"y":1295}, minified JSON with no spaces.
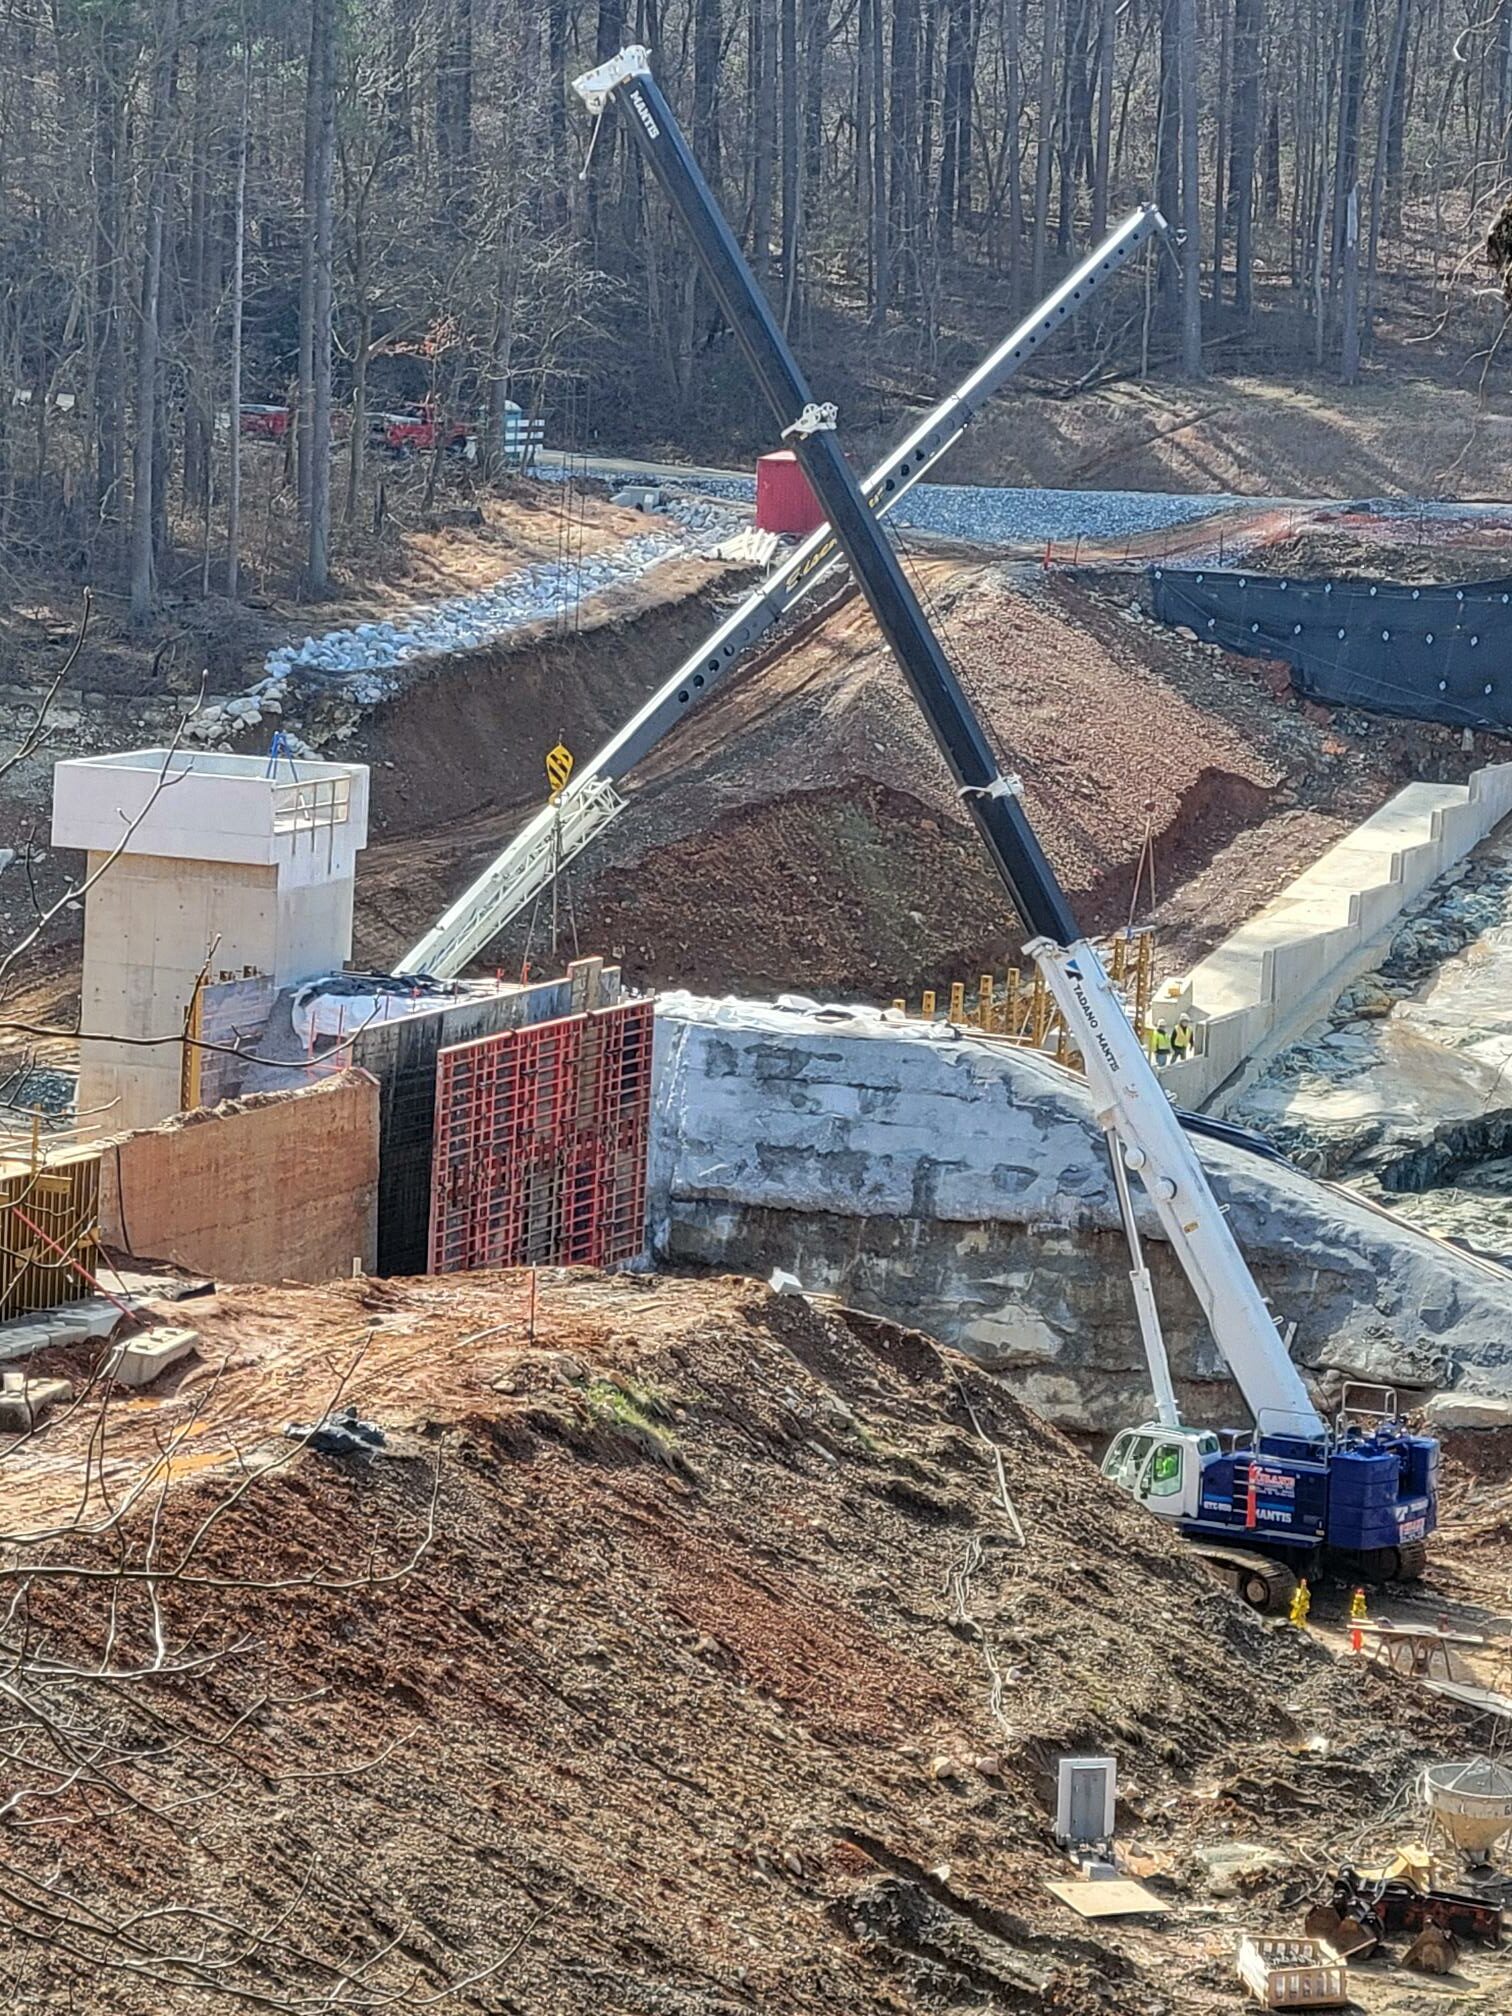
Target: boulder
{"x":1467,"y":1410}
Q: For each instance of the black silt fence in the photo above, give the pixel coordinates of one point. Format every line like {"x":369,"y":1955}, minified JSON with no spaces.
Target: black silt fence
{"x":1431,"y":653}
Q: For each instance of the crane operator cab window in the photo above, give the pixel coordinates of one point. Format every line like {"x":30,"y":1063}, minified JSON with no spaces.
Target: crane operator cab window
{"x":1126,"y":1459}
{"x":1161,"y":1476}
{"x":1161,"y":1467}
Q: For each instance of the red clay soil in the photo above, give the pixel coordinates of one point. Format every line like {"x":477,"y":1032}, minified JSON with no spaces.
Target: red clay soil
{"x":648,"y":1669}
{"x":801,"y":832}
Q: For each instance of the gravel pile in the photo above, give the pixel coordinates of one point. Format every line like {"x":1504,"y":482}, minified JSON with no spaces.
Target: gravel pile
{"x":41,"y":1089}
{"x":1004,"y":516}
{"x":463,"y":622}
{"x":1032,"y":516}
{"x":363,"y":661}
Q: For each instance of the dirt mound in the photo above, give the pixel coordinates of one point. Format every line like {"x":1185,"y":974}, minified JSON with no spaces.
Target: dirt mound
{"x":801,"y":831}
{"x":1368,"y":549}
{"x":680,"y":1654}
{"x":798,"y":831}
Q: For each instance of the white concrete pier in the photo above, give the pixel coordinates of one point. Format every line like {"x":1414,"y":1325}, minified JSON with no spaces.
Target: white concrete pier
{"x":196,"y":857}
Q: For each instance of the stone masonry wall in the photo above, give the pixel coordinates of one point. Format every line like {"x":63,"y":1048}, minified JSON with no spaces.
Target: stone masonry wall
{"x":955,"y":1183}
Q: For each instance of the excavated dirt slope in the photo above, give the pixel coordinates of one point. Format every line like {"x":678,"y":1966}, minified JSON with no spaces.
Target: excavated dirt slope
{"x":799,"y":831}
{"x":681,"y":1658}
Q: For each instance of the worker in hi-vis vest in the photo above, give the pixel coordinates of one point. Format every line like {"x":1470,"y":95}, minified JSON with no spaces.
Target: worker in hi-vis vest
{"x":1160,"y":1045}
{"x":1183,"y":1039}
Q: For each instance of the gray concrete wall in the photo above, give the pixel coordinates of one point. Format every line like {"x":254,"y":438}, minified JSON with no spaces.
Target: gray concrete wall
{"x":149,"y":923}
{"x":960,"y":1184}
{"x":1287,"y":966}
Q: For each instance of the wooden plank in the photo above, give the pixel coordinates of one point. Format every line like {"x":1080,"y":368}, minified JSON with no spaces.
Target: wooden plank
{"x":1422,"y":1634}
{"x":1116,"y":1897}
{"x":1484,"y":1698}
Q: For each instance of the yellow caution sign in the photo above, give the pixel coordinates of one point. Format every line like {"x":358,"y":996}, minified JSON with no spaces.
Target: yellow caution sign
{"x":558,"y":768}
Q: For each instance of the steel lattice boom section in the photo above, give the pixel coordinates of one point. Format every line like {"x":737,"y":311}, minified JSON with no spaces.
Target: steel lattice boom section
{"x":541,"y":1142}
{"x":516,"y":876}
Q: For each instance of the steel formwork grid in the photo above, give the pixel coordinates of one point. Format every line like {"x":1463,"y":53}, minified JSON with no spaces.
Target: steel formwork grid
{"x":540,"y":1144}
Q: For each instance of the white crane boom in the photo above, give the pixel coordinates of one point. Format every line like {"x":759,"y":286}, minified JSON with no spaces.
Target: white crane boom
{"x":559,"y":831}
{"x":1145,"y":1135}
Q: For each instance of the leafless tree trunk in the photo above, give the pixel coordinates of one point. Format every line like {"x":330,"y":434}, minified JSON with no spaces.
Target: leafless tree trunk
{"x":764,"y":132}
{"x":454,"y":113}
{"x":1044,"y":143}
{"x":1010,"y":22}
{"x":1102,"y":173}
{"x":149,"y":308}
{"x":238,"y":302}
{"x":903,"y":155}
{"x":1168,"y":142}
{"x":791,"y":163}
{"x":1191,"y":213}
{"x":323,"y":95}
{"x":305,"y":399}
{"x":707,"y":37}
{"x":109,"y":321}
{"x":881,"y":235}
{"x":1349,"y":300}
{"x":501,"y":352}
{"x":1247,"y":63}
{"x":1378,"y":165}
{"x":1220,"y":195}
{"x":1351,"y":88}
{"x":1272,"y":179}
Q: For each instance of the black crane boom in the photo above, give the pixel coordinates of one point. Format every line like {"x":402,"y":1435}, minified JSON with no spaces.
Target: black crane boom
{"x":991,"y":798}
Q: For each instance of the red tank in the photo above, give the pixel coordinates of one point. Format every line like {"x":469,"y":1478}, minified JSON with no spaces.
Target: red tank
{"x":784,"y":501}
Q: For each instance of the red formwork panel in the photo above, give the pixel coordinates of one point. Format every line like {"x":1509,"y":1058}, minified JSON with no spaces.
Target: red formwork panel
{"x":540,"y":1144}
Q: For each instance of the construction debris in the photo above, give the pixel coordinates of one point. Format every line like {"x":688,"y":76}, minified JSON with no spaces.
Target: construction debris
{"x":24,"y":1400}
{"x":1434,"y":1951}
{"x":1108,"y":1897}
{"x":147,"y":1355}
{"x":340,"y":1434}
{"x":1292,"y":1973}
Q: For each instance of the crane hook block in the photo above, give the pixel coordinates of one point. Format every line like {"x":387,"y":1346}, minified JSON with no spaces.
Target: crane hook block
{"x":814,"y":419}
{"x":596,"y":87}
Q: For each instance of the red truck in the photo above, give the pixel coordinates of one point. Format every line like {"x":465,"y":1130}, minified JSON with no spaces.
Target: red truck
{"x":413,"y":430}
{"x":264,"y":423}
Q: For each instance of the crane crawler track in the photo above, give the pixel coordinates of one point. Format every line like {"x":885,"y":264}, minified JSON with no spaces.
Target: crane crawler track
{"x":1265,"y":1585}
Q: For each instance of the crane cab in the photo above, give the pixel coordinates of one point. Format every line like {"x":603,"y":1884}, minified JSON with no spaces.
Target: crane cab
{"x":1161,"y":1466}
{"x":1364,"y":1497}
